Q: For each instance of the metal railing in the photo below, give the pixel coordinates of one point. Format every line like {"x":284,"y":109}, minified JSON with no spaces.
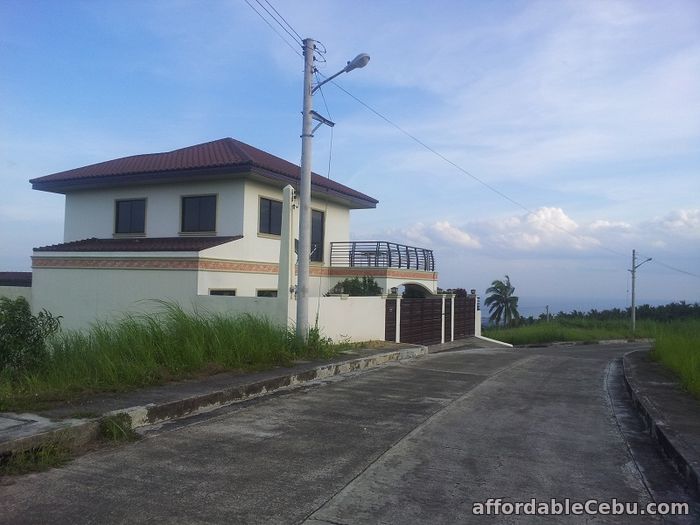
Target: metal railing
{"x":381,"y":254}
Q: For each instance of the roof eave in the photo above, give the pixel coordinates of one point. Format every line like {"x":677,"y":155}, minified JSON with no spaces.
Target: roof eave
{"x":163,"y":177}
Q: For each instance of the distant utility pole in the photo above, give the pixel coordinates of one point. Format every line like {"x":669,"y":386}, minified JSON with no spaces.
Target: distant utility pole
{"x":547,"y":307}
{"x":634,"y":275}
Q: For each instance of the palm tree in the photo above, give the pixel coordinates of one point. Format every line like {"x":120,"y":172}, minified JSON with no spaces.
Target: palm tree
{"x":503,"y":305}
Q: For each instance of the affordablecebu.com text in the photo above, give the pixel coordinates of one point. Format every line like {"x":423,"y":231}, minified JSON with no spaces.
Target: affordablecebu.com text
{"x":567,"y":507}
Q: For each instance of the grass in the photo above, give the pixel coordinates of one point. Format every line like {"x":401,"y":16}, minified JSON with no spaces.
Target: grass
{"x":586,"y":330}
{"x":153,"y":349}
{"x":35,"y":460}
{"x":677,"y":346}
{"x":117,"y":428}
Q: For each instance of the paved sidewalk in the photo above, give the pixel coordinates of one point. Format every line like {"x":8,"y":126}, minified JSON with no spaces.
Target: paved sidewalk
{"x":672,"y":414}
{"x":76,"y":423}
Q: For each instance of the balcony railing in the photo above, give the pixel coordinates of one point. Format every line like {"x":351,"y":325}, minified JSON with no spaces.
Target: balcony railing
{"x":381,"y":254}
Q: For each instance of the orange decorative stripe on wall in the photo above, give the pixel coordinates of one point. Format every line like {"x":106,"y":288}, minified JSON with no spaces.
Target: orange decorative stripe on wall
{"x":219,"y":265}
{"x":126,"y":264}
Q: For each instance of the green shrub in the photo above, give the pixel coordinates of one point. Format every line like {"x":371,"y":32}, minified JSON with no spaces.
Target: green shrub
{"x":357,"y":287}
{"x":23,"y":335}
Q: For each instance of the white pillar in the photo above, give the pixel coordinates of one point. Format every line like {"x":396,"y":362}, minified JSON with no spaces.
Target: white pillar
{"x":285,"y":279}
{"x":442,"y":321}
{"x":398,"y":319}
{"x":452,"y":317}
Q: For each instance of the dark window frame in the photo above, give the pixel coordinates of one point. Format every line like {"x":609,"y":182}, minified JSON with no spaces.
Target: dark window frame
{"x":318,"y":244}
{"x":199,"y":228}
{"x":131,"y":230}
{"x":266,"y":292}
{"x":267,"y":223}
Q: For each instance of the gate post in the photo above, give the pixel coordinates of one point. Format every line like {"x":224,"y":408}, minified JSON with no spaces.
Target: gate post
{"x":398,"y":319}
{"x":452,"y":317}
{"x":442,"y":321}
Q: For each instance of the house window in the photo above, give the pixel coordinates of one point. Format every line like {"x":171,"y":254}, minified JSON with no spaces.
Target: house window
{"x":317,"y":223}
{"x":199,"y":214}
{"x":130,"y":216}
{"x":230,"y":293}
{"x":266,"y":293}
{"x":270,"y":217}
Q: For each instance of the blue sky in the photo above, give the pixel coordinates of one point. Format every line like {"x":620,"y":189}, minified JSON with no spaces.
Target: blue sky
{"x":586,"y":113}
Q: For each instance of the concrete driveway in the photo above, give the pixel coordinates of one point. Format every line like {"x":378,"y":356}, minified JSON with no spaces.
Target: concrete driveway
{"x":416,"y":442}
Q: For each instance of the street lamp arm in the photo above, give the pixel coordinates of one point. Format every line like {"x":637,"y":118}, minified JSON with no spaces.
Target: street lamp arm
{"x":359,"y":61}
{"x":317,"y":86}
{"x":649,"y":259}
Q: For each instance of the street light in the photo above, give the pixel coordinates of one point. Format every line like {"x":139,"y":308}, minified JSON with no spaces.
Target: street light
{"x":308,"y":115}
{"x":634,"y":276}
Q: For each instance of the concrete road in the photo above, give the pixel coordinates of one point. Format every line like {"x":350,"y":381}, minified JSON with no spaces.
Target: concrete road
{"x":417,"y":442}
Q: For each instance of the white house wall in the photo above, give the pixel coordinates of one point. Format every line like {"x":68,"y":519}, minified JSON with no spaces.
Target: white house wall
{"x":348,"y":318}
{"x":91,"y":213}
{"x":245,"y":284}
{"x":83,"y":296}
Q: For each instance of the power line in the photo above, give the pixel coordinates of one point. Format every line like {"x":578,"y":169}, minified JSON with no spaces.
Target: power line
{"x":274,"y":29}
{"x":669,"y":267}
{"x":284,"y":20}
{"x":487,"y":185}
{"x":297,"y":39}
{"x":460,"y":168}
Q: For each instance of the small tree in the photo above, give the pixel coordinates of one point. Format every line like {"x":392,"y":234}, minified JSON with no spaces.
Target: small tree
{"x":503,"y":305}
{"x":367,"y":286}
{"x":23,"y":335}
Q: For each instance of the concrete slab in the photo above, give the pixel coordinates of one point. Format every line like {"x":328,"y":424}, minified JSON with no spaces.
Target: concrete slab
{"x":397,"y":444}
{"x":180,"y":399}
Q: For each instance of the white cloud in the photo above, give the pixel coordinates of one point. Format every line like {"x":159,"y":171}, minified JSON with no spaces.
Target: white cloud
{"x":680,"y":222}
{"x":449,"y":233}
{"x":605,"y":225}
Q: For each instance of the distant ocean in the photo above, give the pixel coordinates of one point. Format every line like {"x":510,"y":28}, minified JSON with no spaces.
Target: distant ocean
{"x":534,"y":306}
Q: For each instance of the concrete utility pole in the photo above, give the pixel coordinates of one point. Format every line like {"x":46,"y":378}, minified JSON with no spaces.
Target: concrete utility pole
{"x":304,"y":250}
{"x":307,"y":133}
{"x":634,"y":276}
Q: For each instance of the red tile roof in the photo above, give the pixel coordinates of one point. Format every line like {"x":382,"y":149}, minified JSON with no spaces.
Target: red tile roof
{"x":16,"y":279}
{"x":145,"y":244}
{"x":224,"y":153}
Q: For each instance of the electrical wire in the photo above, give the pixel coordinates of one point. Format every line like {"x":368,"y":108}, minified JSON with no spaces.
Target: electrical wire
{"x":487,"y":185}
{"x":669,"y":267}
{"x":297,"y":39}
{"x":273,"y":28}
{"x":285,"y":21}
{"x":460,"y":168}
{"x":328,"y":176}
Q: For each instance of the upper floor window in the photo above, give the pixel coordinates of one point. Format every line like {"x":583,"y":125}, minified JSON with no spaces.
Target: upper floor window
{"x":270,"y":217}
{"x":199,"y":214}
{"x":130,"y":216}
{"x":317,"y":224}
{"x":271,"y":223}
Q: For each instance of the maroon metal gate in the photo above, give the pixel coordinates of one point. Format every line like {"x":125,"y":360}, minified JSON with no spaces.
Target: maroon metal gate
{"x":421,"y":320}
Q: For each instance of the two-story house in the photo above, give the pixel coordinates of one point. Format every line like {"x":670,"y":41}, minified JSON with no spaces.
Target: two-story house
{"x":204,"y":220}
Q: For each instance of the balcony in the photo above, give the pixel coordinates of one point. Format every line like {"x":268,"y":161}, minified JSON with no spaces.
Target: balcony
{"x":381,"y":254}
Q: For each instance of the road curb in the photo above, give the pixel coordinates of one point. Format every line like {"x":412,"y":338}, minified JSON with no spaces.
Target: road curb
{"x":74,"y":434}
{"x":670,"y":442}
